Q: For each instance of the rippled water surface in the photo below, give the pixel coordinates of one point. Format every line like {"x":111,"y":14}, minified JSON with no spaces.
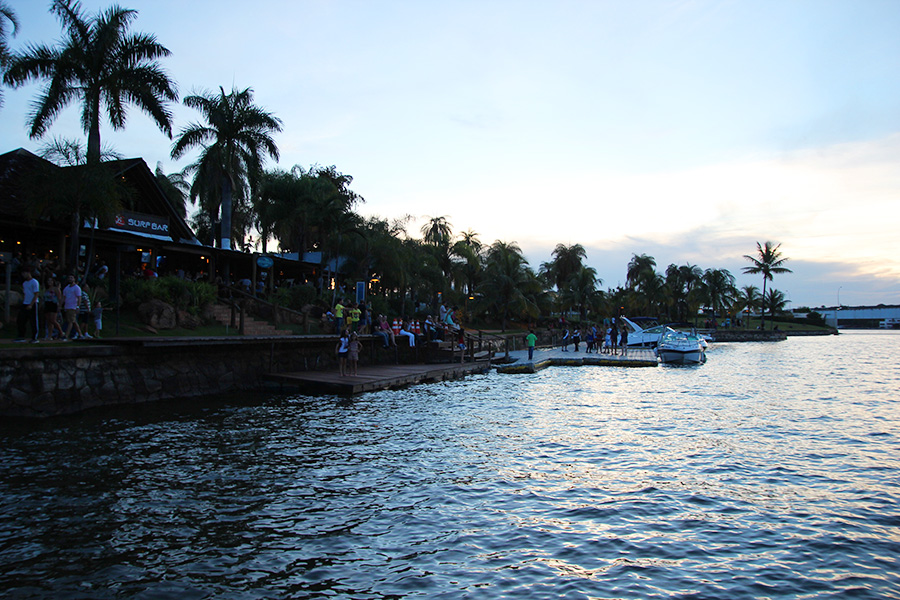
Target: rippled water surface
{"x":771,"y":471}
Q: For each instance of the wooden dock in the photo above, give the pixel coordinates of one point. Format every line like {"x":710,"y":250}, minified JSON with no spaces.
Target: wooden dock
{"x":637,"y":357}
{"x":381,"y":377}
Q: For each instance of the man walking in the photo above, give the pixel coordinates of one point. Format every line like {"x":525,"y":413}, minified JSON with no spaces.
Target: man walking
{"x":71,"y":300}
{"x":29,"y":312}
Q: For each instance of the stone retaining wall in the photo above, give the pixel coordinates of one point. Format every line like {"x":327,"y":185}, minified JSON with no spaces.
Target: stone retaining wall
{"x":67,"y":378}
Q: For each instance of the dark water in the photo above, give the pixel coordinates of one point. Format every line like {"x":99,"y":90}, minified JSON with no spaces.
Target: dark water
{"x":771,"y":471}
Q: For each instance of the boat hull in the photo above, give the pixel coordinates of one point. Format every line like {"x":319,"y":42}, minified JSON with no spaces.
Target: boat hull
{"x":675,"y":356}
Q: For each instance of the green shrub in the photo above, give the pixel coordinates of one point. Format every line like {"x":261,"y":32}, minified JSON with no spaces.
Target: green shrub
{"x":182,"y":294}
{"x":295,"y":298}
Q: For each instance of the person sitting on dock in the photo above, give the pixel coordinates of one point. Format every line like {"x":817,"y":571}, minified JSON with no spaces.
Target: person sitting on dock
{"x":383,"y":330}
{"x":405,"y":329}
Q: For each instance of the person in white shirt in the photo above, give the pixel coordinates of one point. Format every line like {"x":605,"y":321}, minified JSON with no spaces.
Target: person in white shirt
{"x":71,"y":300}
{"x":28,"y":314}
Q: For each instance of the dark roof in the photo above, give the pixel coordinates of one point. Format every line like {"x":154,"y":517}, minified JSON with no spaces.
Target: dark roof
{"x":20,"y":166}
{"x":150,"y":198}
{"x":15,"y":167}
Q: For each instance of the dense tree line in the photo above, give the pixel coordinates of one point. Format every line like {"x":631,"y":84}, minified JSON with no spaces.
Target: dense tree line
{"x":104,"y":67}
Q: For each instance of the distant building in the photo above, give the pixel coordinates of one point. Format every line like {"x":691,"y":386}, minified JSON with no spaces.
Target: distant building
{"x":859,"y":317}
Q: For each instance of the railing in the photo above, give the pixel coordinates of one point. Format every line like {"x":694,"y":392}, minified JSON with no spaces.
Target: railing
{"x":276,"y":309}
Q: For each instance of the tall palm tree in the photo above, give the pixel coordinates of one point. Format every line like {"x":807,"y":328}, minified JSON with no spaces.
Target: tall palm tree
{"x":437,"y":231}
{"x":640,"y":269}
{"x":718,"y":288}
{"x":437,"y":234}
{"x":769,"y":262}
{"x":774,"y":302}
{"x":176,"y":187}
{"x":750,"y":299}
{"x":505,"y":282}
{"x":235,"y":138}
{"x":581,"y":290}
{"x":78,"y":189}
{"x":6,"y":14}
{"x":101,"y":65}
{"x":567,"y":260}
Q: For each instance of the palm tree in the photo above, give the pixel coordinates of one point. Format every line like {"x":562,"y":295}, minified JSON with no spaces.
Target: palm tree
{"x":176,"y":188}
{"x":581,"y":291}
{"x":639,"y":268}
{"x":567,"y":260}
{"x":750,"y":299}
{"x":234,"y":140}
{"x":774,"y":302}
{"x":718,"y":288}
{"x":100,"y":64}
{"x":769,"y":262}
{"x":506,"y":280}
{"x":6,"y":14}
{"x":437,"y":231}
{"x":76,"y":190}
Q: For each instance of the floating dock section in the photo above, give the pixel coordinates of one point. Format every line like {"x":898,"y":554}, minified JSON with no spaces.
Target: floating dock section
{"x":382,"y":377}
{"x":544,"y":359}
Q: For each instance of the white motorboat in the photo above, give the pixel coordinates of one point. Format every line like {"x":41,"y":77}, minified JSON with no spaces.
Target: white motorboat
{"x":643,"y":337}
{"x":680,"y":348}
{"x":649,"y":336}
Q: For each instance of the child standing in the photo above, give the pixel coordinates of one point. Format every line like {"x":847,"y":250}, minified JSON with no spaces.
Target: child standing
{"x":97,"y":314}
{"x":353,"y":353}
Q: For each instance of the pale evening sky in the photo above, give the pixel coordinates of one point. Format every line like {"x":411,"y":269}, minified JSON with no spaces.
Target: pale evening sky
{"x":686,"y":130}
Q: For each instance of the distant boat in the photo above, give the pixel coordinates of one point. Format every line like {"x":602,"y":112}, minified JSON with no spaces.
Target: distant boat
{"x":680,"y":348}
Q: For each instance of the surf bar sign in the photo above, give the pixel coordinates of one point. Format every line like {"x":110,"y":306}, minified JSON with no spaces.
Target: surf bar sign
{"x":141,"y":223}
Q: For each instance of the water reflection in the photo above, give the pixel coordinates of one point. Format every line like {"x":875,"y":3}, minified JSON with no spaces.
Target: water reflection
{"x":769,"y":471}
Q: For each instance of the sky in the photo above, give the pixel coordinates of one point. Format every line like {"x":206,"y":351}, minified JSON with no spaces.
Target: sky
{"x":685,"y":130}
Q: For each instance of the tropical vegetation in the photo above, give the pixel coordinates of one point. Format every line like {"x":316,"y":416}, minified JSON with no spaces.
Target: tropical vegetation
{"x":228,"y":186}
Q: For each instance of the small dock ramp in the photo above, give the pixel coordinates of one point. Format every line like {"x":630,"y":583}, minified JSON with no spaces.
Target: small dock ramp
{"x":381,"y":377}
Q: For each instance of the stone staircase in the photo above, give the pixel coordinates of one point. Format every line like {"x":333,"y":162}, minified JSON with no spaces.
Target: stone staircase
{"x":222,"y":314}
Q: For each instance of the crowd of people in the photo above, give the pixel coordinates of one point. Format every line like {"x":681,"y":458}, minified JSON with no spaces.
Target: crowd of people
{"x":53,"y":311}
{"x":350,"y":319}
{"x":608,"y":338}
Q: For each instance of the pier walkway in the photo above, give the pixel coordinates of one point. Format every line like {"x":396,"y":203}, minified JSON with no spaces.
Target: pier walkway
{"x":371,"y":378}
{"x":546,"y":357}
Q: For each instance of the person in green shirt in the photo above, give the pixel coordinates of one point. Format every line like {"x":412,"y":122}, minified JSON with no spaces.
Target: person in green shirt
{"x":339,"y":316}
{"x":354,"y":316}
{"x":530,"y":341}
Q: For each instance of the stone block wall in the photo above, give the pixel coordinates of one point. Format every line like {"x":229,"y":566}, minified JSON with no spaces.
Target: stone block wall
{"x":64,"y":379}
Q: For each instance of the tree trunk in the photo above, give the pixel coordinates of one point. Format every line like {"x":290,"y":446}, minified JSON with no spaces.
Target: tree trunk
{"x":226,"y":213}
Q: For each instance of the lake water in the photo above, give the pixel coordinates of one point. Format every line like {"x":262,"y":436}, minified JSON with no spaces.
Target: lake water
{"x":773,"y":470}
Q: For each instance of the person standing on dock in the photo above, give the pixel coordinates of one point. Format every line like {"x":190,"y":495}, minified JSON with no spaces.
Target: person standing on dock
{"x":353,"y":354}
{"x":342,"y":349}
{"x":339,"y":316}
{"x":564,"y":342}
{"x":530,"y":341}
{"x":576,"y":338}
{"x":624,"y":341}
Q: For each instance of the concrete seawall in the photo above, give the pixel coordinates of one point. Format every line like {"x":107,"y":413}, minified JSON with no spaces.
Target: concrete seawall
{"x":58,"y":379}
